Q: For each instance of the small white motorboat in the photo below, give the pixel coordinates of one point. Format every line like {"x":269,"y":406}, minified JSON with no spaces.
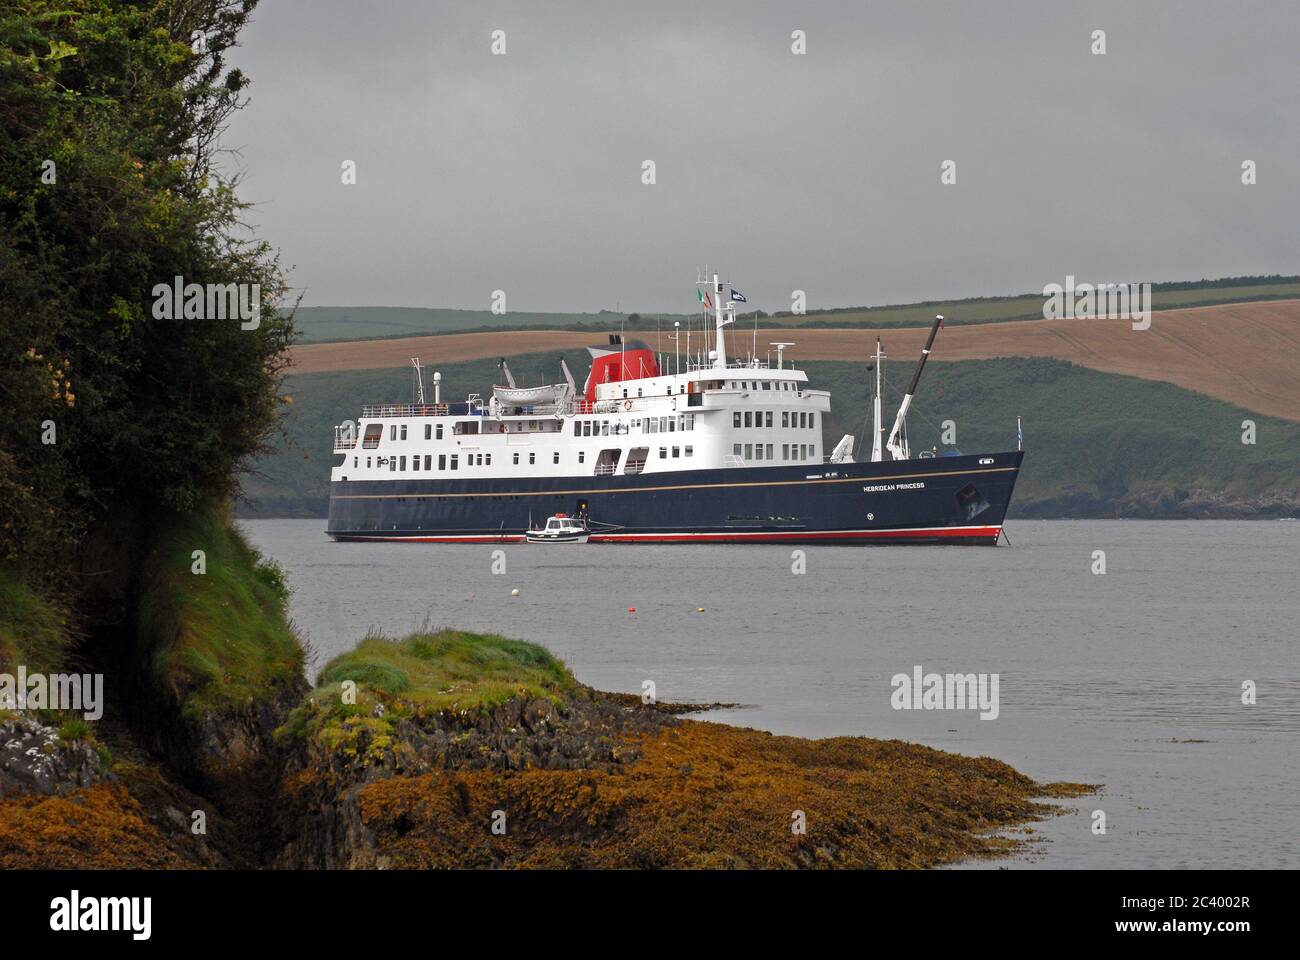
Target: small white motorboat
{"x":560,"y":528}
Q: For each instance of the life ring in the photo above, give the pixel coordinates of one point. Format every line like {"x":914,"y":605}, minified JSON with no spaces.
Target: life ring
{"x":627,"y":404}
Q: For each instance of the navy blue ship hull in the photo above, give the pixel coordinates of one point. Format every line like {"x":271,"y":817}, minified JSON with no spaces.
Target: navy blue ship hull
{"x":959,"y":499}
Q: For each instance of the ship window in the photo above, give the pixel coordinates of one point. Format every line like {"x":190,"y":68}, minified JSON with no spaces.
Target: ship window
{"x":636,"y":460}
{"x":367,"y":463}
{"x":489,"y":459}
{"x":555,"y":457}
{"x":516,"y":459}
{"x":577,"y":428}
{"x":604,"y":429}
{"x":582,"y":456}
{"x":663,"y":453}
{"x":749,"y":419}
{"x":735,"y":449}
{"x":403,"y":431}
{"x":735,"y":419}
{"x":428,"y":431}
{"x":428,"y":461}
{"x":758,"y":451}
{"x":769,"y":418}
{"x":437,"y":431}
{"x":785,"y":451}
{"x":785,"y":418}
{"x":403,"y":466}
{"x":811,"y":420}
{"x":803,"y":419}
{"x":532,"y":458}
{"x":442,"y":461}
{"x":767,"y":384}
{"x":690,"y":451}
{"x":392,"y":431}
{"x":392,"y":464}
{"x":672,"y":424}
{"x":415,"y":463}
{"x":638,"y":391}
{"x":770,"y":448}
{"x":749,"y":451}
{"x":677,"y":452}
{"x":354,"y":461}
{"x":455,"y":460}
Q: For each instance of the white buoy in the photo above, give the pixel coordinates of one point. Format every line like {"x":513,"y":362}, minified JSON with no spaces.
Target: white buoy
{"x":514,"y":592}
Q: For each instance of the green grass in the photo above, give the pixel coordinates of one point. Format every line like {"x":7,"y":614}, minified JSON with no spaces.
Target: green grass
{"x":1030,"y":306}
{"x":326,"y":324}
{"x":33,"y":630}
{"x":322,"y":324}
{"x":428,"y":672}
{"x":219,"y":638}
{"x":1098,"y":444}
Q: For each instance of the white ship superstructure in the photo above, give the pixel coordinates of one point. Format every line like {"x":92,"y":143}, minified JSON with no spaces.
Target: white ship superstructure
{"x":657,"y":447}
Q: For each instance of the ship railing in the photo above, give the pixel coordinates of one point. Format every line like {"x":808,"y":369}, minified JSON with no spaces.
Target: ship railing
{"x":605,"y":469}
{"x":409,"y":410}
{"x":345,"y":438}
{"x":731,"y":460}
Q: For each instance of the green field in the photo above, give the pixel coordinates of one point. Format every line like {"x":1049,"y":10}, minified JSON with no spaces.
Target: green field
{"x":1097,"y":444}
{"x":324,"y":324}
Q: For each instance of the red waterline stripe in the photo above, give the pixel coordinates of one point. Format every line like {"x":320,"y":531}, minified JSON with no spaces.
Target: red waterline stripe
{"x":943,"y":532}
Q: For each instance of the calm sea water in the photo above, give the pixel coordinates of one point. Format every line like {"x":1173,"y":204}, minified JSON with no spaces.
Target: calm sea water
{"x":1132,"y":679}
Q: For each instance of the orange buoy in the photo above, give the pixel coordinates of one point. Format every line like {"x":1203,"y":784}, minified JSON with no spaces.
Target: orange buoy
{"x":631,"y":609}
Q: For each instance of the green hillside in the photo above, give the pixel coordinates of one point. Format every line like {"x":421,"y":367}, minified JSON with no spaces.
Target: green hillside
{"x":1098,"y":444}
{"x":321,"y":324}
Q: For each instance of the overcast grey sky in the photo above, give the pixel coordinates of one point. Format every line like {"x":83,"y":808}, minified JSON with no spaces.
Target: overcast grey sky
{"x":818,"y":172}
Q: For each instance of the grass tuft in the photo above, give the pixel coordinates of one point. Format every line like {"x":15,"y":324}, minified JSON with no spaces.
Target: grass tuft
{"x":219,"y":637}
{"x":428,"y":672}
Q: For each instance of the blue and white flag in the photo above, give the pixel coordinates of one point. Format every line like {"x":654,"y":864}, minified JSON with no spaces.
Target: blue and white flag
{"x":738,"y":296}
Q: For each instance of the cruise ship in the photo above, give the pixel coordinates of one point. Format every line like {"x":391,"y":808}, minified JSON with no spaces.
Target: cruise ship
{"x":658,"y":449}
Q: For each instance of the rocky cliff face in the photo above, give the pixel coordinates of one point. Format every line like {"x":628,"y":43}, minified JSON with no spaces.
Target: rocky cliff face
{"x":35,"y":759}
{"x":320,"y":822}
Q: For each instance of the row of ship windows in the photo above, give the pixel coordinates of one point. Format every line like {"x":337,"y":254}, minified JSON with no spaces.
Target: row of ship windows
{"x":762,"y":385}
{"x":452,"y":461}
{"x":603,"y":428}
{"x":767,"y":451}
{"x":763,"y":418}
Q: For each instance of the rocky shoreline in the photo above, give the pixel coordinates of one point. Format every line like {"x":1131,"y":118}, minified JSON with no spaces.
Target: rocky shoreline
{"x":569,"y":778}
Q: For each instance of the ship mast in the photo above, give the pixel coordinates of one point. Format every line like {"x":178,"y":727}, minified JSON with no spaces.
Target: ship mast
{"x":877,"y":429}
{"x":722,"y":315}
{"x":419,"y":379}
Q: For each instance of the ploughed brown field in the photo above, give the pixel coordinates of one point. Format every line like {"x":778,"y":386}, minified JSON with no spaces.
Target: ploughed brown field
{"x":1244,"y":353}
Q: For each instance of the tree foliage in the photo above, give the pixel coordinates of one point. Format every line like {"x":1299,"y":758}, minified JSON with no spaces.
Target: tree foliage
{"x":110,"y":114}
